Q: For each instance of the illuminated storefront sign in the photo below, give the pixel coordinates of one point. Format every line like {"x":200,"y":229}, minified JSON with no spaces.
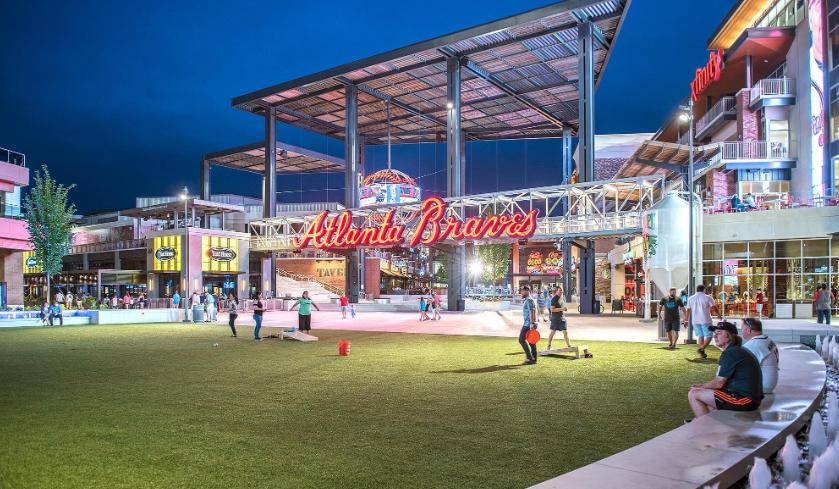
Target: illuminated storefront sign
{"x":707,"y":74}
{"x":814,"y":14}
{"x":167,"y":253}
{"x":553,"y":264}
{"x":219,"y":254}
{"x":339,"y":232}
{"x":30,"y":263}
{"x":534,"y":263}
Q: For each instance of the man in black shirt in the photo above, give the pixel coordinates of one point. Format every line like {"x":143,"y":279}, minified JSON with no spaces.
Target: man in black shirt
{"x":558,"y":322}
{"x":671,"y":306}
{"x":738,"y":385}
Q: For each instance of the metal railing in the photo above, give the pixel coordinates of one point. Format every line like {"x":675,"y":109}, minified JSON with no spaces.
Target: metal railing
{"x":771,"y":202}
{"x":757,"y":150}
{"x":603,"y":209}
{"x":10,"y":211}
{"x":726,"y":105}
{"x":773,"y":87}
{"x":13,"y":157}
{"x":299,"y":277}
{"x":127,"y":244}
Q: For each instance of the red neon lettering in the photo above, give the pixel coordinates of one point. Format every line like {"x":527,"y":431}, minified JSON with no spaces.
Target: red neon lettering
{"x":431,"y":212}
{"x":339,"y":231}
{"x":705,"y":75}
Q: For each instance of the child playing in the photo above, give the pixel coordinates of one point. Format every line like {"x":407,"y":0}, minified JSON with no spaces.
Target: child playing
{"x":352,"y":311}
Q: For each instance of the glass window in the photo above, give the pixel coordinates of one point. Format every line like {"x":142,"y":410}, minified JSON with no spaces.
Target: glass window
{"x":811,"y":282}
{"x":761,"y":266}
{"x":761,"y":249}
{"x":816,"y":247}
{"x":788,"y":249}
{"x":834,"y":247}
{"x":712,"y":268}
{"x":816,"y":265}
{"x":834,"y":114}
{"x":779,"y":130}
{"x":713,"y":251}
{"x":735,"y":250}
{"x":787,"y":288}
{"x":788,"y":265}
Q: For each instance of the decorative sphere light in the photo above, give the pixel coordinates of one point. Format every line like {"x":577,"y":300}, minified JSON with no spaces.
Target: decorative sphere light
{"x":389,"y":187}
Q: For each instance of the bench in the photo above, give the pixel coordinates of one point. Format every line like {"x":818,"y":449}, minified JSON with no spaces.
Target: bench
{"x":571,"y":349}
{"x":719,"y":447}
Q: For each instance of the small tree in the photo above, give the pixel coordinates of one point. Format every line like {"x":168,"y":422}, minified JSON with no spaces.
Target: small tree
{"x":48,"y":218}
{"x":496,"y":259}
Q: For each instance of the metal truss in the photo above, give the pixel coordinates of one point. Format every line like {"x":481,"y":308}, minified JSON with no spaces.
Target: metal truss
{"x":605,"y":209}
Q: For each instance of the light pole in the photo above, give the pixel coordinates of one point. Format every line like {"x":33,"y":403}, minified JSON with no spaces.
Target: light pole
{"x":185,"y":251}
{"x":687,"y":116}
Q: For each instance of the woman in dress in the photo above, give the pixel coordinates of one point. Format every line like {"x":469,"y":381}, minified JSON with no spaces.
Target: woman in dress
{"x":304,"y":317}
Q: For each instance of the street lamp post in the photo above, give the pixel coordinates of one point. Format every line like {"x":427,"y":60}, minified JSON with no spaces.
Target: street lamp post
{"x":687,"y":116}
{"x":185,"y":251}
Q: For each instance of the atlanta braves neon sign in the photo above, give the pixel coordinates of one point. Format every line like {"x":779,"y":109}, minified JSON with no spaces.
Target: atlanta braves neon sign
{"x":339,"y":231}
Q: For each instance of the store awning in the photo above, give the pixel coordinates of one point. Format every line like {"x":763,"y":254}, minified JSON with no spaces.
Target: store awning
{"x":660,"y":158}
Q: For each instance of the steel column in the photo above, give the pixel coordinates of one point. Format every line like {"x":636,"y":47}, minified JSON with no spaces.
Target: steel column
{"x":455,"y":178}
{"x":269,"y":185}
{"x":566,"y":269}
{"x":354,"y":276}
{"x":585,"y":166}
{"x":205,"y":179}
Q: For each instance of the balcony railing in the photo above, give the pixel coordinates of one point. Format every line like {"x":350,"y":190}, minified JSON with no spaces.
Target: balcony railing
{"x":127,"y":244}
{"x":726,"y":105}
{"x":10,"y":211}
{"x":758,"y":150}
{"x":773,"y":87}
{"x":13,"y":157}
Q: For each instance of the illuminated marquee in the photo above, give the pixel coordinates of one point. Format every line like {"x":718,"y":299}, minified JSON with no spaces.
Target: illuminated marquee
{"x":707,"y":74}
{"x":339,"y":232}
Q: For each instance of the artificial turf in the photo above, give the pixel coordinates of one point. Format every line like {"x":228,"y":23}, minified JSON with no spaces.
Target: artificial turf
{"x":160,"y":406}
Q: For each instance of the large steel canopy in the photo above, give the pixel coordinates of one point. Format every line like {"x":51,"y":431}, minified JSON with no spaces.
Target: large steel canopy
{"x":519,"y":80}
{"x":290,"y":159}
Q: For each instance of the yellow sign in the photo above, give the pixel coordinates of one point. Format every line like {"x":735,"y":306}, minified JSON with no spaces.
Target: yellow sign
{"x":219,"y":254}
{"x":167,"y":254}
{"x":30,"y":263}
{"x":329,"y":268}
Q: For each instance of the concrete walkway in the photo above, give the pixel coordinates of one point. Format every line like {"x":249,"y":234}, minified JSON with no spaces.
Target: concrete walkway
{"x":508,"y":324}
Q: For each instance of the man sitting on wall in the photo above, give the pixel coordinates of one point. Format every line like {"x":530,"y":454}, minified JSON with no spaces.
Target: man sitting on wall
{"x":55,"y":312}
{"x":764,"y":349}
{"x":738,"y":385}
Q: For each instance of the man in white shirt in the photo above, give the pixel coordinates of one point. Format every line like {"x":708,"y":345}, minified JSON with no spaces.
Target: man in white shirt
{"x":211,"y":305}
{"x":763,"y":349}
{"x":698,"y":311}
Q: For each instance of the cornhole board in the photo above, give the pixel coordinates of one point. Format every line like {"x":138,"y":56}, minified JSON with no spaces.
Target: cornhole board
{"x":299,"y":336}
{"x":559,"y":351}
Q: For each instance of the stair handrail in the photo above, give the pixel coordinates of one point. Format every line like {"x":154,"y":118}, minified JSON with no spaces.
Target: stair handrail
{"x":309,"y":278}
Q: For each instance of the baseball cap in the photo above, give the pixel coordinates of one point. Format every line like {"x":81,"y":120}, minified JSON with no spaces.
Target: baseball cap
{"x":525,"y":287}
{"x":731,"y":328}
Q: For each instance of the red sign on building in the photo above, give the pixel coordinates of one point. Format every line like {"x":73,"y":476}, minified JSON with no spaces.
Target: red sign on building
{"x":707,"y":74}
{"x":339,"y":231}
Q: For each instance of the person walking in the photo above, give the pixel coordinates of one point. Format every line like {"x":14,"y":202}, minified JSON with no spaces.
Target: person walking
{"x":738,"y":385}
{"x":258,"y":310}
{"x":540,"y":306}
{"x":176,"y":300}
{"x":423,"y":314}
{"x":699,"y":308}
{"x":764,"y":349}
{"x":672,"y":306}
{"x":344,"y":304}
{"x":233,"y":305}
{"x":437,"y":315}
{"x":211,"y":306}
{"x":304,"y":317}
{"x":529,"y":316}
{"x":558,"y":321}
{"x":759,"y":298}
{"x":824,"y":298}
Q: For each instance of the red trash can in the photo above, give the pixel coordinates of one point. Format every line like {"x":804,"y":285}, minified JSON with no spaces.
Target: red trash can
{"x":344,"y":348}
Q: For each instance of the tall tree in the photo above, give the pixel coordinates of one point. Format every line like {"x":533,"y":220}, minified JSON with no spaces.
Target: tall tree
{"x":48,"y":218}
{"x":496,"y":260}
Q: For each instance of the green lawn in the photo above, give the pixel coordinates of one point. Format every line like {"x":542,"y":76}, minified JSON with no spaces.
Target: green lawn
{"x":159,"y":406}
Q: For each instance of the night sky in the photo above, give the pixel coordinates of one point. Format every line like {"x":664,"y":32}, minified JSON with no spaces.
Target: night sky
{"x":122,"y":99}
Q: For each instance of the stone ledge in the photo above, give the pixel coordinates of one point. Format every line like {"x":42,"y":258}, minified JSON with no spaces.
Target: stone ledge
{"x":719,"y":447}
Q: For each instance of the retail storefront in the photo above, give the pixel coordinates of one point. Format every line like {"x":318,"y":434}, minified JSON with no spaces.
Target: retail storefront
{"x":787,"y":271}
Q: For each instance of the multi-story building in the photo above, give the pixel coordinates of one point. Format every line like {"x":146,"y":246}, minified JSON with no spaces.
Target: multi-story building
{"x":14,"y":236}
{"x":765,"y":171}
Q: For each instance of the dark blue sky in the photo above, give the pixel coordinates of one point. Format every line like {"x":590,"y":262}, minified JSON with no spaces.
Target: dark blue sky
{"x":122,"y":99}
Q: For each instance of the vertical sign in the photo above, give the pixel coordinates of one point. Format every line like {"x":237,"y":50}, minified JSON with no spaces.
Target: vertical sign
{"x":817,"y":139}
